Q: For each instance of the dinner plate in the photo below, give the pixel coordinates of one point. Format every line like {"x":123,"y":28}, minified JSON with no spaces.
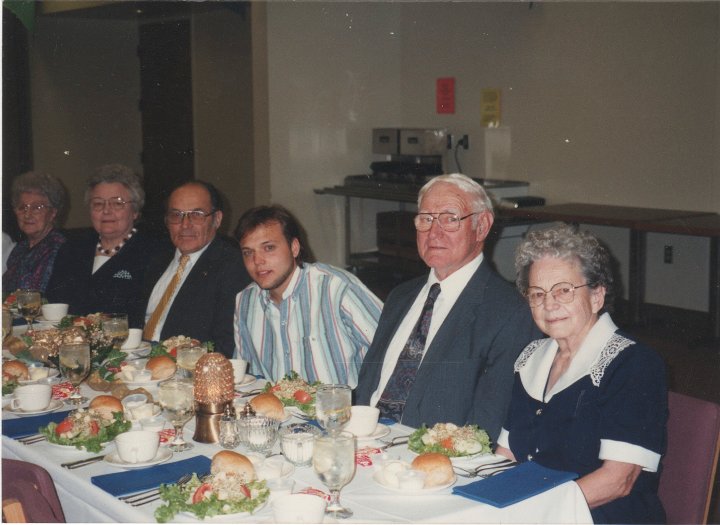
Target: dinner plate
{"x":247,"y":380}
{"x":52,"y":372}
{"x":73,"y":448}
{"x":377,"y":478}
{"x":226,"y":518}
{"x":54,"y":405}
{"x":271,"y":469}
{"x":141,"y":350}
{"x":163,"y":454}
{"x":477,"y":460}
{"x":380,"y":431}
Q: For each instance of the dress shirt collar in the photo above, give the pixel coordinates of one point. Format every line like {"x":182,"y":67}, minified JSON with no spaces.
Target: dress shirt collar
{"x":290,"y":290}
{"x":194,"y":256}
{"x":453,"y":285}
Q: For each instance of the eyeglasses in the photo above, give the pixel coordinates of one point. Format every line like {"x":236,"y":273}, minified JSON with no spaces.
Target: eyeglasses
{"x":32,"y":209}
{"x":194,"y":216}
{"x":561,"y":292}
{"x":115,"y":204}
{"x":449,"y":222}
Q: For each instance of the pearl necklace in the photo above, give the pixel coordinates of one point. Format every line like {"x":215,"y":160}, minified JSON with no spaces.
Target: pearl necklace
{"x":102,"y":251}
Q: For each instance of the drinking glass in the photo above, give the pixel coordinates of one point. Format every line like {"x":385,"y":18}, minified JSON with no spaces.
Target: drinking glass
{"x":259,"y":433}
{"x":177,"y":399}
{"x":332,"y":406}
{"x":115,"y":327}
{"x":187,"y":357}
{"x":29,"y":303}
{"x":74,"y":359}
{"x":334,"y":463}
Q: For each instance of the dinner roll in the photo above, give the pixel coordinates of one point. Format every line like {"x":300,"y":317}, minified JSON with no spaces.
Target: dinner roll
{"x":269,"y":405}
{"x":437,"y":468}
{"x":106,"y":405}
{"x":231,"y":462}
{"x":161,"y":367}
{"x":16,"y":369}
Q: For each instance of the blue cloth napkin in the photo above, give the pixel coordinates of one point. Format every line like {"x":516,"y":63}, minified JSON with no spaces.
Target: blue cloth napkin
{"x":27,"y":426}
{"x":129,"y":481}
{"x":514,"y":485}
{"x":387,"y":421}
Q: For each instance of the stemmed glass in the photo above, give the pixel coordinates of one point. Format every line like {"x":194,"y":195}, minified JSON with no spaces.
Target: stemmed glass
{"x":334,"y":463}
{"x":74,"y":361}
{"x":177,"y":399}
{"x":29,"y":303}
{"x":187,"y":357}
{"x":115,"y":327}
{"x":332,"y":406}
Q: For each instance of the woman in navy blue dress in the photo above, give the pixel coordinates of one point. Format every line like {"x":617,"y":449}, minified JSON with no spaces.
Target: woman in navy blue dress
{"x":588,"y":399}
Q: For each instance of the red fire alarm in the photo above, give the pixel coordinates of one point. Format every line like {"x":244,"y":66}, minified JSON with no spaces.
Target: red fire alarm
{"x":445,"y":95}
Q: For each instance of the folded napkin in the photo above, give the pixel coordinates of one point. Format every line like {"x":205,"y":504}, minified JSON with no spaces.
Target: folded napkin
{"x":386,"y":421}
{"x":515,"y":484}
{"x":130,"y":481}
{"x":27,"y":426}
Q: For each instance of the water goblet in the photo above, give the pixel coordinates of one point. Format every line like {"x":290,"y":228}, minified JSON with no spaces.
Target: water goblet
{"x":333,"y":406}
{"x":29,"y":303}
{"x":74,"y":361}
{"x":176,"y":397}
{"x":115,"y":327}
{"x":334,"y":463}
{"x":187,"y":357}
{"x":259,"y":433}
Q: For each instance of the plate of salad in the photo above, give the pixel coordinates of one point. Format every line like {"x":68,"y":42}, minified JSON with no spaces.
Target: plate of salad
{"x":294,"y":391}
{"x":455,"y":442}
{"x":85,"y":429}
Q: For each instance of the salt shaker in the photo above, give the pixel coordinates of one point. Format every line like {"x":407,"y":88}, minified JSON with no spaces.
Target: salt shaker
{"x":229,"y":435}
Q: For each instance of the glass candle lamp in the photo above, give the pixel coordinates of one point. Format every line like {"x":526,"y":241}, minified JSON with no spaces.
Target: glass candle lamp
{"x":214,"y":391}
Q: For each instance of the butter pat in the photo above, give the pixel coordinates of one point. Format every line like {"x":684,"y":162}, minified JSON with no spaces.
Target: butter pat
{"x":38,"y":372}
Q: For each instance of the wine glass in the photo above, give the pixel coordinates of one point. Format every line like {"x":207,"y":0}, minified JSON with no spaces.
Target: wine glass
{"x":177,"y":399}
{"x":74,"y":361}
{"x":115,"y":327}
{"x":334,"y":463}
{"x":332,"y":406}
{"x":187,"y":357}
{"x":29,"y":303}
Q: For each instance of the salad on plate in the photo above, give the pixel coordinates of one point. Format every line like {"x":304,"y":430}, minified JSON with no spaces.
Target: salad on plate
{"x":85,"y":429}
{"x":294,"y":391}
{"x":451,"y":440}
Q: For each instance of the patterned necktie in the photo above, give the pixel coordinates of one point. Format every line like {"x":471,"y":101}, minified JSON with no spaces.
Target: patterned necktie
{"x":165,"y":299}
{"x":392,"y":400}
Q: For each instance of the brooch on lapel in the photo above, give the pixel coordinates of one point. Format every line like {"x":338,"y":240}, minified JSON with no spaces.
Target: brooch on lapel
{"x":122,"y":274}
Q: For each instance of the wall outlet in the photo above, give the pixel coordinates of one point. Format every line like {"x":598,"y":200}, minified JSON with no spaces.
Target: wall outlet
{"x":668,"y":254}
{"x":464,"y":142}
{"x":458,"y":141}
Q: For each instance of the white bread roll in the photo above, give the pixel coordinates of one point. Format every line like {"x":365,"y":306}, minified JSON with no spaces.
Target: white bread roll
{"x":437,"y":468}
{"x":268,"y":405}
{"x":16,"y":369}
{"x":161,"y":367}
{"x":106,"y":405}
{"x":231,"y":462}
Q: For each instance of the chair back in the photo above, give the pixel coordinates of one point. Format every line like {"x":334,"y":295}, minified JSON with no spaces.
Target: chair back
{"x":32,"y":486}
{"x":689,"y":466}
{"x":12,"y":511}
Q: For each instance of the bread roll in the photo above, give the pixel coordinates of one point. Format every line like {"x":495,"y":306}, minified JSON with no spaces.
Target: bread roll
{"x":268,"y":405}
{"x":106,"y":405}
{"x":16,"y":369}
{"x":437,"y":468}
{"x":231,"y":462}
{"x":161,"y":367}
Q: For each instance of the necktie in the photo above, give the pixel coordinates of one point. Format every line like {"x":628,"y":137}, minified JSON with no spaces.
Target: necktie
{"x":165,"y":299}
{"x":392,"y":400}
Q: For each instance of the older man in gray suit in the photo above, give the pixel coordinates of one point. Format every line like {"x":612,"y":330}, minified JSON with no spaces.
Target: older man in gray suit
{"x":445,"y":344}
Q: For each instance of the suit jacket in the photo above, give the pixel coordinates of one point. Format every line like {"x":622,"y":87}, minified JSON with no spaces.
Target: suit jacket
{"x":204,"y":305}
{"x":466,"y":375}
{"x":117,"y":286}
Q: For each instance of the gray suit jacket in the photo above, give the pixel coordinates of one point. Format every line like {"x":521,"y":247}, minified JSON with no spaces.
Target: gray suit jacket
{"x":466,"y":376}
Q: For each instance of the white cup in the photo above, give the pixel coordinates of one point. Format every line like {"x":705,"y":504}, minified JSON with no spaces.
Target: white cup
{"x":54,"y":311}
{"x":299,"y":508}
{"x":363,"y":420}
{"x":31,"y":398}
{"x":239,"y":367}
{"x":137,"y":446}
{"x":134,"y":339}
{"x":154,"y":424}
{"x":280,"y":487}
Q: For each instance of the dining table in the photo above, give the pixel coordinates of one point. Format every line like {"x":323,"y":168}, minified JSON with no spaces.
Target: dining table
{"x":83,"y":501}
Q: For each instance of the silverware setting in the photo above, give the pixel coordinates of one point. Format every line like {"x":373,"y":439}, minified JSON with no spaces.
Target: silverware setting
{"x":479,"y":472}
{"x":82,"y":462}
{"x":398,"y":440}
{"x":148,"y":496}
{"x":29,"y":440}
{"x":249,"y":393}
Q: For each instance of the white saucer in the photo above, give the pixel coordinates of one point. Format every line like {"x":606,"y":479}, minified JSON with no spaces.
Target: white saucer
{"x":163,"y":454}
{"x":271,"y":469}
{"x":52,"y":372}
{"x":477,"y":460}
{"x":141,"y":350}
{"x":144,"y":384}
{"x":380,"y":431}
{"x":377,"y":478}
{"x":247,"y":380}
{"x":54,"y":405}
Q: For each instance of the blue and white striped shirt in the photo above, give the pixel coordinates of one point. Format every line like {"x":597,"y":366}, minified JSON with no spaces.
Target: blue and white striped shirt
{"x":322,"y":328}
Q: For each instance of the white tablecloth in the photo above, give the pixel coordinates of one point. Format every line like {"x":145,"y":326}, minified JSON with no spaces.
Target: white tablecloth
{"x":84,"y":502}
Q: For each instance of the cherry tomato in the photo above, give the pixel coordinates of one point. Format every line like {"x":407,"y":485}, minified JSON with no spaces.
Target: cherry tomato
{"x":173,"y":352}
{"x":302,"y":397}
{"x":94,"y":428}
{"x":245,"y":490}
{"x":64,"y":426}
{"x":200,"y":492}
{"x":448,"y":443}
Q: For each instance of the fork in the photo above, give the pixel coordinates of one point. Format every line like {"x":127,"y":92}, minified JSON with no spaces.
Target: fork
{"x":29,"y":440}
{"x":478,"y":472}
{"x":148,"y":496}
{"x":397,"y":440}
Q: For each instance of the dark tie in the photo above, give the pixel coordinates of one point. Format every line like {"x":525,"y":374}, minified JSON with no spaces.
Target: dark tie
{"x":392,"y":400}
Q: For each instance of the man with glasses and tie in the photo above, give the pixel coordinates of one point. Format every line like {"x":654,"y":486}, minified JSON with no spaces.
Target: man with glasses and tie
{"x":191,"y":288}
{"x":445,"y":344}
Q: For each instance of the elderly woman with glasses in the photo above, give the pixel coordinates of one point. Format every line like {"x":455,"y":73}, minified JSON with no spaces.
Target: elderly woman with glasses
{"x":588,"y":399}
{"x":38,"y":200}
{"x":102,"y":270}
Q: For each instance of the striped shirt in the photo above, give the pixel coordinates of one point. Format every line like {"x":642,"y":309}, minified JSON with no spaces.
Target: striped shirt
{"x":322,"y":328}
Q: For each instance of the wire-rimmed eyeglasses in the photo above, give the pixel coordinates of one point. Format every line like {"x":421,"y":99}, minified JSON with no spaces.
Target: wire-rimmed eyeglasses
{"x":450,"y":222}
{"x":194,"y":216}
{"x":114,"y":203}
{"x":561,"y":292}
{"x":32,"y":209}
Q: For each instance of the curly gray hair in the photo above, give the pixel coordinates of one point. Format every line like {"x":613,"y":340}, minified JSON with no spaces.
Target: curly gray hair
{"x":569,"y":244}
{"x":122,"y":174}
{"x":43,"y":184}
{"x":480,"y":199}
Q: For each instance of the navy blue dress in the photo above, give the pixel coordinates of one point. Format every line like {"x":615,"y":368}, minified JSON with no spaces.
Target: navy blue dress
{"x":629,"y":405}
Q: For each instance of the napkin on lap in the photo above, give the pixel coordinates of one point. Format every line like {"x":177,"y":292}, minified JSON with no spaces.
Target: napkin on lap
{"x":515,"y":484}
{"x":27,"y":426}
{"x":129,"y":481}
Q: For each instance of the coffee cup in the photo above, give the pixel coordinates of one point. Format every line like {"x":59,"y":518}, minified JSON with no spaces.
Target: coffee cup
{"x":31,"y":398}
{"x":299,"y":508}
{"x":54,"y":311}
{"x":137,"y":446}
{"x":239,"y":368}
{"x":363,"y":420}
{"x":134,"y":339}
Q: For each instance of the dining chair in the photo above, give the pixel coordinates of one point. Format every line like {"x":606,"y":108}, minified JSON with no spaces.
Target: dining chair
{"x":34,"y":489}
{"x":12,"y":511}
{"x":690,"y":464}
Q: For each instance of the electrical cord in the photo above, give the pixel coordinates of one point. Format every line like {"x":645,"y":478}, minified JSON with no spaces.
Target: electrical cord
{"x":457,"y":160}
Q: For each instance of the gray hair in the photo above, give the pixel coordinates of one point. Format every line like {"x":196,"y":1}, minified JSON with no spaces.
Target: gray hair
{"x":40,"y":183}
{"x":480,"y":201}
{"x":568,"y":243}
{"x":118,"y":173}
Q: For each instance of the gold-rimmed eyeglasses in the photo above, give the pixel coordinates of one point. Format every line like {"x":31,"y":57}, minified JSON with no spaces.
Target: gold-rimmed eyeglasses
{"x":450,"y":222}
{"x":561,"y":292}
{"x":194,"y":216}
{"x":32,"y":209}
{"x":114,"y":203}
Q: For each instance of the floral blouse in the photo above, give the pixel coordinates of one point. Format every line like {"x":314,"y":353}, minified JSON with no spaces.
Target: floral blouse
{"x":31,"y":267}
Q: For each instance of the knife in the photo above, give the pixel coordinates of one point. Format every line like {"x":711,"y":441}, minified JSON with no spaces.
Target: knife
{"x":81,"y":462}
